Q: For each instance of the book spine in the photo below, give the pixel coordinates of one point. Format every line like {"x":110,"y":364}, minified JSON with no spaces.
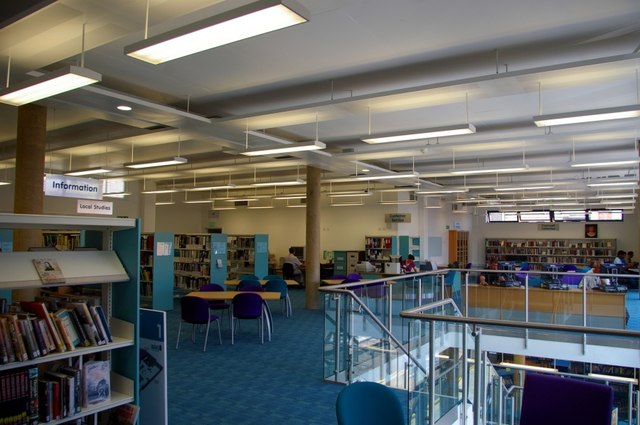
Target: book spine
{"x":104,"y":321}
{"x":44,"y":329}
{"x":84,"y":341}
{"x":16,"y":340}
{"x":4,"y":328}
{"x":44,"y":400}
{"x":33,"y":396}
{"x":4,"y":355}
{"x":96,"y":319}
{"x":29,"y":338}
{"x":63,"y":333}
{"x":37,"y":331}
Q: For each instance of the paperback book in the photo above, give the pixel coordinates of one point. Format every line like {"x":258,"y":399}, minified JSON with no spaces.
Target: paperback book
{"x":48,"y":270}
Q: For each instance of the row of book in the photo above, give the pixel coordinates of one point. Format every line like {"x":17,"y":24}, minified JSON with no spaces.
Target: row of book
{"x":29,"y":396}
{"x":34,"y":332}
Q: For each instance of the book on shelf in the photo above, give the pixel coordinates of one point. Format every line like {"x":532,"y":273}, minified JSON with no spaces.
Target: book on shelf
{"x":76,"y":374}
{"x":8,"y":344}
{"x":62,"y":403}
{"x":45,"y":400}
{"x":34,"y":334}
{"x":49,"y":270}
{"x":16,"y":338}
{"x":64,"y":332}
{"x":127,"y":414}
{"x":96,"y":382}
{"x":102,"y":320}
{"x":83,"y":311}
{"x":82,"y":335}
{"x":4,"y":355}
{"x":28,"y":335}
{"x":18,"y":402}
{"x":41,"y":311}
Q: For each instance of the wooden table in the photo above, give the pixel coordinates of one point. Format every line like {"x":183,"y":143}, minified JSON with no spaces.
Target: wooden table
{"x":332,"y":281}
{"x":236,"y":282}
{"x":228,"y":295}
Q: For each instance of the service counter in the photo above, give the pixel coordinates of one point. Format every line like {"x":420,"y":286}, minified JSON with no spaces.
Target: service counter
{"x":604,"y":309}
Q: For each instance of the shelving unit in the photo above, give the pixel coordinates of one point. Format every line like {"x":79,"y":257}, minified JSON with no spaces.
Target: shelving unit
{"x":114,"y":269}
{"x":345,"y":262}
{"x":409,"y":245}
{"x":192,"y":262}
{"x":379,"y":249}
{"x":69,"y":240}
{"x":156,"y":270}
{"x":459,"y":247}
{"x":247,"y":254}
{"x":544,"y":251}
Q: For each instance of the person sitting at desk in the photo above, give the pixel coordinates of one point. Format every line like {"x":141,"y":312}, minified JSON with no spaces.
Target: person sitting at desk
{"x":589,"y":280}
{"x":630,"y":263}
{"x":621,"y":258}
{"x":296,"y":263}
{"x":408,"y":265}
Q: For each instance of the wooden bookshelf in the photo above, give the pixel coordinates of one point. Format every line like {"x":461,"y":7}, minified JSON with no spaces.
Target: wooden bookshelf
{"x":538,"y":252}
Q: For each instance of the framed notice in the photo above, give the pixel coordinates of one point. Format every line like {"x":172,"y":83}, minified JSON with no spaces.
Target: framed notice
{"x":590,"y":230}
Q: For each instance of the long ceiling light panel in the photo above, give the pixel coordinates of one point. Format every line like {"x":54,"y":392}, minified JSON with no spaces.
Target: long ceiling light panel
{"x":248,"y":21}
{"x":593,"y":115}
{"x":487,"y":170}
{"x":387,"y":176}
{"x":294,"y":147}
{"x":606,"y":163}
{"x":452,"y":130}
{"x":56,"y":82}
{"x":149,"y":164}
{"x":88,"y":171}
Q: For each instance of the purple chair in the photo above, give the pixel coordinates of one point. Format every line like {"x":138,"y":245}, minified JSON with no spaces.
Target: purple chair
{"x":247,"y":306}
{"x":217,"y":304}
{"x":549,"y":399}
{"x":195,"y":310}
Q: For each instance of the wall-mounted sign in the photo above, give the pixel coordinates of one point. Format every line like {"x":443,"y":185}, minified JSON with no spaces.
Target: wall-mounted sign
{"x":72,"y":187}
{"x":95,"y":207}
{"x":397,"y":218}
{"x":548,"y":226}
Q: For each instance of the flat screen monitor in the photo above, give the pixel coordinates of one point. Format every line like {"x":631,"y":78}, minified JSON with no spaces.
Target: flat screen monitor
{"x":604,"y":215}
{"x":570,"y":215}
{"x":502,"y":217}
{"x":535,"y":216}
{"x":298,"y":251}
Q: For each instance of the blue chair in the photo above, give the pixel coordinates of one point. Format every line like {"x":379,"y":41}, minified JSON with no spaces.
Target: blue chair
{"x":368,"y":403}
{"x":279,"y":285}
{"x":248,"y":283}
{"x":548,"y":399}
{"x":195,"y":310}
{"x":247,"y":306}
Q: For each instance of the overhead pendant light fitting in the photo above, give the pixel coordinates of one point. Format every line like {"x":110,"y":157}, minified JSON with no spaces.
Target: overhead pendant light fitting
{"x":149,"y":164}
{"x":593,"y":115}
{"x":452,"y":130}
{"x":247,"y":21}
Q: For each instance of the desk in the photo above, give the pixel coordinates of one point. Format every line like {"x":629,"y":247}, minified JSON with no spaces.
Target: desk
{"x":228,"y":295}
{"x":604,"y":309}
{"x":236,"y":282}
{"x":332,"y":281}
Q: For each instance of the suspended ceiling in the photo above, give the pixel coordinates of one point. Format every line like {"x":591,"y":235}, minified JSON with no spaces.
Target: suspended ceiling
{"x":357,"y":67}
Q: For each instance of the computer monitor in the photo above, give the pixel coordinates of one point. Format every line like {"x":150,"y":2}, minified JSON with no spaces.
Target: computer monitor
{"x":426,"y":266}
{"x":298,"y":251}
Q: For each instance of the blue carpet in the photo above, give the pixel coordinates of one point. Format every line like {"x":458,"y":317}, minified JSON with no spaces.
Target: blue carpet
{"x":277,"y":383}
{"x":633,"y":308}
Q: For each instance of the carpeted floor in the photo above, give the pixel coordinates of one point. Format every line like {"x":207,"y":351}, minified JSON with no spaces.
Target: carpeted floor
{"x":277,"y":383}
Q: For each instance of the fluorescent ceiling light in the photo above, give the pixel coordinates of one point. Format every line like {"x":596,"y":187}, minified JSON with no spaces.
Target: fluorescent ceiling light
{"x":347,"y":204}
{"x":88,"y":171}
{"x":606,"y":163}
{"x":452,"y":130}
{"x":248,"y":21}
{"x":4,"y":182}
{"x":291,"y":196}
{"x":294,"y":147}
{"x":401,"y":202}
{"x":613,"y":378}
{"x":627,"y":183}
{"x":116,"y":194}
{"x":488,"y":170}
{"x":159,"y":191}
{"x":222,"y":208}
{"x":199,"y":189}
{"x":588,"y":116}
{"x":630,"y":201}
{"x":259,"y":207}
{"x":47,"y":85}
{"x":175,"y":161}
{"x":198,"y":201}
{"x":398,"y":189}
{"x":297,"y":206}
{"x":441,"y":192}
{"x":165,"y":203}
{"x":623,"y":196}
{"x":282,"y":183}
{"x":518,"y":188}
{"x":267,"y":136}
{"x":350,"y":193}
{"x":241,"y":199}
{"x":389,"y":176}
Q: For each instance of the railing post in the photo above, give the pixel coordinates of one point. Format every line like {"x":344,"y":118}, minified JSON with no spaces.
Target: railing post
{"x":465,"y":371}
{"x":476,"y":376}
{"x":432,"y":372}
{"x":338,"y":299}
